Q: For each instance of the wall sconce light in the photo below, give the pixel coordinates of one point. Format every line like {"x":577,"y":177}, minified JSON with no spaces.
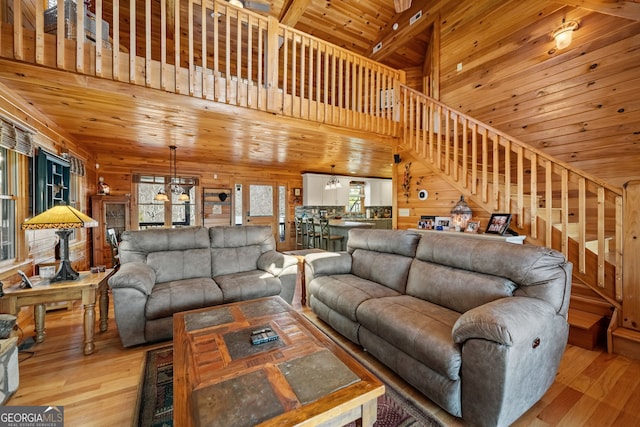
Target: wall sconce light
{"x":564,"y":34}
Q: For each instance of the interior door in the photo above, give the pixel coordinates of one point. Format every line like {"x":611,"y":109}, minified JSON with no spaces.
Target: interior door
{"x":259,"y":205}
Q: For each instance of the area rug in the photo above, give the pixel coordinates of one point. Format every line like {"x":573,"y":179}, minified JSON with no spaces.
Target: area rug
{"x":155,"y":398}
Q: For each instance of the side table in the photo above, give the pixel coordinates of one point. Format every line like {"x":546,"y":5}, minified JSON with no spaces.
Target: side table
{"x":301,"y":278}
{"x":85,"y":288}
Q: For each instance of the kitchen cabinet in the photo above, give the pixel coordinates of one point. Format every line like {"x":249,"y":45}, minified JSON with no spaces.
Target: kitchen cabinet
{"x":378,"y":192}
{"x":314,"y":194}
{"x":110,"y":212}
{"x":312,"y":189}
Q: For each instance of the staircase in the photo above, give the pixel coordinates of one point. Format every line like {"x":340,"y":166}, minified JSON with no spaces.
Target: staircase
{"x":552,"y":203}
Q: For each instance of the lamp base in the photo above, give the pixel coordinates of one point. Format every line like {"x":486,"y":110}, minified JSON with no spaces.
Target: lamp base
{"x":65,"y":272}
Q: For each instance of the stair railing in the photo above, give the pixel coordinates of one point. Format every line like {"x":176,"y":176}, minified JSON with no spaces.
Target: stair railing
{"x":555,"y":204}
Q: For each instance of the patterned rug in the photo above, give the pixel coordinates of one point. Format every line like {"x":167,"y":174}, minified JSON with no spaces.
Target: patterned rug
{"x":155,"y":398}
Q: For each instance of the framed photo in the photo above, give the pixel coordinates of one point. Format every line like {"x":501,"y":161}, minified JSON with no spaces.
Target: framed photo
{"x":443,"y":223}
{"x":26,"y":283}
{"x":499,"y":223}
{"x":472,"y":227}
{"x":427,"y":222}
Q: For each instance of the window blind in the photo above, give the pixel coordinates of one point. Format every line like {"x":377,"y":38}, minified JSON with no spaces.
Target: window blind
{"x":15,"y":137}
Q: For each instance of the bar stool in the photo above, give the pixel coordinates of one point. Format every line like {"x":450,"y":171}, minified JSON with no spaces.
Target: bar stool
{"x":326,"y":236}
{"x":313,"y":234}
{"x":299,"y":234}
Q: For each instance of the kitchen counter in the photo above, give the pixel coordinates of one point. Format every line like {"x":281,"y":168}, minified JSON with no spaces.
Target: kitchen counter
{"x":349,"y":223}
{"x":377,"y":223}
{"x":339,"y":227}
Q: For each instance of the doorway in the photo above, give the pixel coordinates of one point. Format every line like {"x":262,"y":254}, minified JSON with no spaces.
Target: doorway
{"x":261,"y":203}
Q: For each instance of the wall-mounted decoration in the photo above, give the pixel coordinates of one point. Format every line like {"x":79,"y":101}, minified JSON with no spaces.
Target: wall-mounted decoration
{"x":103,"y":187}
{"x":406,"y":182}
{"x":216,"y":206}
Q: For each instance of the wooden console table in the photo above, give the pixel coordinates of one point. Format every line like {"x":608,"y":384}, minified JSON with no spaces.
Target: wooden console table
{"x":519,"y":240}
{"x":43,"y":292}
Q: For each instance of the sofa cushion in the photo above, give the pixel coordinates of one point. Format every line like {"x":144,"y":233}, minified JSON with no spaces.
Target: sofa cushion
{"x":136,"y":245}
{"x":178,"y":265}
{"x":345,"y":292}
{"x":456,"y":289}
{"x":419,"y":328}
{"x":181,"y":295}
{"x":247,"y":285}
{"x":237,"y":249}
{"x":387,"y":241}
{"x":386,"y":269}
{"x":539,"y":272}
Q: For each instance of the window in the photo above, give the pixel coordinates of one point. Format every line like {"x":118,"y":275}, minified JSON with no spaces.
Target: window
{"x":174,"y":213}
{"x":52,"y":181}
{"x":8,"y":182}
{"x":356,"y":196}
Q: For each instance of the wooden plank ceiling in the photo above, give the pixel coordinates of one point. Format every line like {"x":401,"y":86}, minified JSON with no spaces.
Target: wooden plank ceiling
{"x":498,"y":63}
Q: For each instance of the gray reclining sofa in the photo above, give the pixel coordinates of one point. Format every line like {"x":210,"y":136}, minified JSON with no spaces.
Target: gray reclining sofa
{"x":478,"y":326}
{"x":165,"y":271}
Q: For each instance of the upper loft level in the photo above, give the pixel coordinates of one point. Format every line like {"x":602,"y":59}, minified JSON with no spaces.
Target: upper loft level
{"x":223,"y":53}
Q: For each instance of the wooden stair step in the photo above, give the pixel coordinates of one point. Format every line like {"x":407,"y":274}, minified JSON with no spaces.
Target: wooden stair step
{"x":626,"y":342}
{"x":586,"y":330}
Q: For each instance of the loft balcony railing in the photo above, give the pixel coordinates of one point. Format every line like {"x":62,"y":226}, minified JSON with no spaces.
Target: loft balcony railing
{"x":555,"y":204}
{"x":222,"y":53}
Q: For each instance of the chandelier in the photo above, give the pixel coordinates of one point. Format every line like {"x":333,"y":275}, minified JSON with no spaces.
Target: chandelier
{"x":333,"y":182}
{"x":174,"y":184}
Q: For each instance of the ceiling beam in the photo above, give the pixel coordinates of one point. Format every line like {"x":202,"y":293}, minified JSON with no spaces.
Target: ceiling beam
{"x":292,"y":10}
{"x":620,"y":8}
{"x":405,"y":31}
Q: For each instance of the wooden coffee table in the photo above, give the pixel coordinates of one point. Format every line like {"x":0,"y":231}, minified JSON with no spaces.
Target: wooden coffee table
{"x":301,"y":379}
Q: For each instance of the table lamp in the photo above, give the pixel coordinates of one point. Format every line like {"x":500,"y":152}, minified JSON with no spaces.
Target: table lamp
{"x":63,"y":218}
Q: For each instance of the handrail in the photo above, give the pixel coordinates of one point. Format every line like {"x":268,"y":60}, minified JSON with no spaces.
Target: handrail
{"x":226,"y":54}
{"x":504,"y":174}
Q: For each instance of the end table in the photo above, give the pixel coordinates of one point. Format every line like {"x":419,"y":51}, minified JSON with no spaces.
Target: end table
{"x":85,"y":288}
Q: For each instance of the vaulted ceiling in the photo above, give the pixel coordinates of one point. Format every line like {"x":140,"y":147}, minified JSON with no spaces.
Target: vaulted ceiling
{"x":497,"y":62}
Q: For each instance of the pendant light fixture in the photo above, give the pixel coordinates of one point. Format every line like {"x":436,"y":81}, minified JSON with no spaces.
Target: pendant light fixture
{"x":174,"y":184}
{"x":333,"y":182}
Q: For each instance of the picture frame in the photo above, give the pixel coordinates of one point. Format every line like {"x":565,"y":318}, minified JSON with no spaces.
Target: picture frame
{"x":427,"y":222}
{"x":443,"y":223}
{"x":472,"y":227}
{"x":498,"y":224}
{"x":26,"y":283}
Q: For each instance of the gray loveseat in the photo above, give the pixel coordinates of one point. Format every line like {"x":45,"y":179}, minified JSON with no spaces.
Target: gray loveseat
{"x":478,"y":326}
{"x":165,"y":271}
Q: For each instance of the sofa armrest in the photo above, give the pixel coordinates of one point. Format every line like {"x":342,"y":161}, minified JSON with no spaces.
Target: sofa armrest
{"x":507,"y":321}
{"x":137,"y":275}
{"x":327,"y":263}
{"x":511,"y":350}
{"x":276,"y":262}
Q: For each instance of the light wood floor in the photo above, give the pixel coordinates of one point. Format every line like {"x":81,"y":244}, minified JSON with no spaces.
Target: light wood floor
{"x":592,"y":388}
